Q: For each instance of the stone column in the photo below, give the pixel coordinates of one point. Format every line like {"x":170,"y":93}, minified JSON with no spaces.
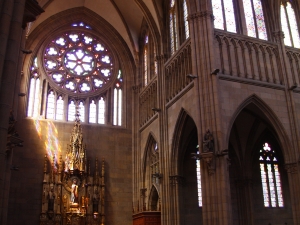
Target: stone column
{"x":164,"y":155}
{"x":215,"y":175}
{"x":294,"y":185}
{"x":8,"y":73}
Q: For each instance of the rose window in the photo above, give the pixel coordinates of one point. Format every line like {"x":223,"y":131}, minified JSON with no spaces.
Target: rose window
{"x":78,"y":63}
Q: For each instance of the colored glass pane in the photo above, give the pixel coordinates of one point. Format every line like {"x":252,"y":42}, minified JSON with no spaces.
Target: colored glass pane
{"x":186,"y":22}
{"x":60,"y":108}
{"x":50,"y":106}
{"x":260,"y":21}
{"x":251,"y":30}
{"x":293,"y":25}
{"x":229,"y":15}
{"x":218,"y":14}
{"x":93,"y":112}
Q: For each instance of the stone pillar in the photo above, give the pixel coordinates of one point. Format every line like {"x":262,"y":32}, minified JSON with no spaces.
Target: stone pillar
{"x":164,"y":156}
{"x":14,"y":16}
{"x":176,"y":202}
{"x":8,"y":73}
{"x":215,"y":174}
{"x":294,"y":185}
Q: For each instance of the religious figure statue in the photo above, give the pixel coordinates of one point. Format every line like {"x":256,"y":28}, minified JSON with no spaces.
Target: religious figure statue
{"x":51,"y":197}
{"x":208,"y":143}
{"x":74,"y":192}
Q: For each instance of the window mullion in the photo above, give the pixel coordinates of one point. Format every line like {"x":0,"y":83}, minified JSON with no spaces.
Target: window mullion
{"x":254,"y":19}
{"x":223,"y":15}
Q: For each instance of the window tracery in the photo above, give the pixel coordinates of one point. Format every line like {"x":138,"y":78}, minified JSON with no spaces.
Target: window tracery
{"x":224,"y":17}
{"x":254,"y":17}
{"x":289,"y":25}
{"x":154,"y":164}
{"x":76,"y":65}
{"x":117,"y":118}
{"x":270,"y":177}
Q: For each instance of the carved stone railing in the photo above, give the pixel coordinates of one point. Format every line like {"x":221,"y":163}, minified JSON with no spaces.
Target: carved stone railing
{"x":148,"y":101}
{"x":248,"y":58}
{"x":293,"y":56}
{"x":176,"y":71}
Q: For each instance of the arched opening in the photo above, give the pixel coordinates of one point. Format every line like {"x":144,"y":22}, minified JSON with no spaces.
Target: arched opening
{"x":256,"y":183}
{"x":154,"y":200}
{"x":185,"y":180}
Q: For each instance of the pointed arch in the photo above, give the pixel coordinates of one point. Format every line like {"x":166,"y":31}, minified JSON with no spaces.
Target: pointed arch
{"x":185,"y":125}
{"x":272,"y":119}
{"x":150,"y":141}
{"x":153,"y":201}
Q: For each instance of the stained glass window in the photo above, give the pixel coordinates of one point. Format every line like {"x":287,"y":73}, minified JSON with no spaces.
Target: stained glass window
{"x":71,"y":111}
{"x":199,"y":187}
{"x":77,"y":65}
{"x":101,"y":111}
{"x":186,"y":22}
{"x":224,"y":17}
{"x":270,"y":177}
{"x":173,"y":27}
{"x":34,"y":91}
{"x":146,"y":61}
{"x":289,"y":25}
{"x":93,"y":112}
{"x":50,"y":105}
{"x":255,"y":21}
{"x":60,"y":108}
{"x":81,"y":110}
{"x":117,"y":118}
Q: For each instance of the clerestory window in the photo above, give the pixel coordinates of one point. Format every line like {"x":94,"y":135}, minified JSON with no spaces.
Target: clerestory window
{"x":224,"y":17}
{"x":255,"y":21}
{"x":270,"y":177}
{"x":289,"y":25}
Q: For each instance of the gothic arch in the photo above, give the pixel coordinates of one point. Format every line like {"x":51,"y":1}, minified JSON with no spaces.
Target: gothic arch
{"x":150,"y":141}
{"x":271,"y":117}
{"x":154,"y":199}
{"x":184,"y":126}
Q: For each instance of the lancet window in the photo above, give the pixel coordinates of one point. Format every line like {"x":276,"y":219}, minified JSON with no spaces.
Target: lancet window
{"x":186,"y":22}
{"x":270,"y":177}
{"x":224,"y":17}
{"x":117,"y":120}
{"x":173,"y":27}
{"x":34,"y":91}
{"x":254,"y":17}
{"x":178,"y":24}
{"x":199,"y":187}
{"x":289,"y":25}
{"x":146,"y":59}
{"x":75,"y":72}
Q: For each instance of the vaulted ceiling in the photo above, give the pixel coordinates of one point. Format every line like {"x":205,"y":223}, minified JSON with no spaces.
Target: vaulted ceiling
{"x":126,"y":16}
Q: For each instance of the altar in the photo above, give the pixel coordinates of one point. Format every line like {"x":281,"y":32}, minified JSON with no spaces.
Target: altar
{"x":71,"y":193}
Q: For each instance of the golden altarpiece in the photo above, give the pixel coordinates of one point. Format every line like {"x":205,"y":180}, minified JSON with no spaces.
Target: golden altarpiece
{"x":71,"y":195}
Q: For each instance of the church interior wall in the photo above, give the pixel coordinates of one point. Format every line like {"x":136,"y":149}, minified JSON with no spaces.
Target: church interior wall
{"x":26,"y":182}
{"x":233,"y":94}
